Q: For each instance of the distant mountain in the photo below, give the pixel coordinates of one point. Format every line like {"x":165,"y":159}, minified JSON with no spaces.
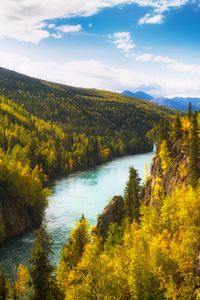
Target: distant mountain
{"x":179,"y":103}
{"x":139,"y":95}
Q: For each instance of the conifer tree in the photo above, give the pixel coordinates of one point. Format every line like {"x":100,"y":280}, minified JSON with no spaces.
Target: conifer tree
{"x":162,"y":132}
{"x":41,"y":268}
{"x":176,"y":128}
{"x":190,"y":114}
{"x":194,"y":152}
{"x":132,"y":195}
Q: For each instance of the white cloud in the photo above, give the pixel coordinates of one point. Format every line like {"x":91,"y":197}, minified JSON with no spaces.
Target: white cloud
{"x":95,"y":74}
{"x":160,"y":7}
{"x":57,"y":35}
{"x":171,"y":63}
{"x":149,"y":19}
{"x":69,"y":28}
{"x":52,"y":25}
{"x":123,"y":41}
{"x":24,"y":19}
{"x":146,"y":57}
{"x":181,"y":67}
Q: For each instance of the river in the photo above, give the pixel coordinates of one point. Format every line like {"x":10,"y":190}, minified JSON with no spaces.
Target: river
{"x":85,"y":193}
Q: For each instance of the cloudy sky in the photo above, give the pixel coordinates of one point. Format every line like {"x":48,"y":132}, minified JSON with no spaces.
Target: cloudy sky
{"x":149,"y":45}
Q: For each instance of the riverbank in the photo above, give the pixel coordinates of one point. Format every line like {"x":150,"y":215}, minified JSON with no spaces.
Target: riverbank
{"x":85,"y":192}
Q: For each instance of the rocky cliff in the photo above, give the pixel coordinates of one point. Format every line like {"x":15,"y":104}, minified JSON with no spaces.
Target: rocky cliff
{"x":16,"y":219}
{"x":114,"y":212}
{"x":160,"y":183}
{"x":175,"y":174}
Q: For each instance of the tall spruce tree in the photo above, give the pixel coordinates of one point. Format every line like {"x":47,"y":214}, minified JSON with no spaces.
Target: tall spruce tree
{"x":194,"y":152}
{"x":132,"y":195}
{"x":163,"y":132}
{"x":41,"y":269}
{"x":190,"y":113}
{"x":176,"y":128}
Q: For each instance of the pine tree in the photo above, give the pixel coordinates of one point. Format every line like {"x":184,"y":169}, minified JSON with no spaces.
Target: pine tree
{"x":190,"y":114}
{"x":176,"y":128}
{"x":132,"y":195}
{"x":3,"y":285}
{"x":164,"y":129}
{"x":162,"y":132}
{"x":41,"y":269}
{"x":194,"y":152}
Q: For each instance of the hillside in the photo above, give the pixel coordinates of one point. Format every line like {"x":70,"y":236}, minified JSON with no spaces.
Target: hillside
{"x":48,"y":130}
{"x":79,"y":109}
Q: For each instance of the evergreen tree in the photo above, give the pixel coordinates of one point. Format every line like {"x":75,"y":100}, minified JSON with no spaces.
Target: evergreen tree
{"x":3,"y":285}
{"x":194,"y":152}
{"x":132,"y":195}
{"x":190,"y":110}
{"x":162,"y":132}
{"x":176,"y":128}
{"x":72,"y":252}
{"x":79,"y":237}
{"x":41,"y":269}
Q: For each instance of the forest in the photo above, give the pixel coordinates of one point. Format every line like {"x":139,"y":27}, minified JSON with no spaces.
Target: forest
{"x":150,"y":251}
{"x":49,"y":130}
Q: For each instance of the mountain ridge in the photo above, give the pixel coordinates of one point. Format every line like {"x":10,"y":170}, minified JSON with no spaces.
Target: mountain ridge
{"x":139,"y":95}
{"x":180,"y":103}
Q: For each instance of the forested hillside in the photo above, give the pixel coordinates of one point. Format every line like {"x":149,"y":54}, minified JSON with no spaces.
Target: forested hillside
{"x":146,"y":243}
{"x":48,"y":129}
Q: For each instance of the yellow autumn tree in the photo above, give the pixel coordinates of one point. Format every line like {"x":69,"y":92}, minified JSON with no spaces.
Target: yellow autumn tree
{"x":22,"y":281}
{"x":165,"y":157}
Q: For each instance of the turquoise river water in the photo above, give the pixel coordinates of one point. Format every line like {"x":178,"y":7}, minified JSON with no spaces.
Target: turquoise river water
{"x":85,"y":193}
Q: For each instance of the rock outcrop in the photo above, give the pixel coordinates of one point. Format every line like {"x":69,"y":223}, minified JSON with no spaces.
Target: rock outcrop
{"x":114,"y":212}
{"x":175,"y":175}
{"x":17,"y":220}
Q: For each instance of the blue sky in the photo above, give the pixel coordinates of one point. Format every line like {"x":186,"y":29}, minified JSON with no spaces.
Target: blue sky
{"x":149,"y":45}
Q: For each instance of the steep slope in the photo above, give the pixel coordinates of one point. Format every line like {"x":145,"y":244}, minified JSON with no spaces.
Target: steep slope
{"x":61,"y":103}
{"x":177,"y":159}
{"x":175,"y":175}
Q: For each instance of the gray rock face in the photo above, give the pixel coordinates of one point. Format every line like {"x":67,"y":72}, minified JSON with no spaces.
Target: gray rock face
{"x":174,"y":175}
{"x":18,"y":219}
{"x":113,"y":213}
